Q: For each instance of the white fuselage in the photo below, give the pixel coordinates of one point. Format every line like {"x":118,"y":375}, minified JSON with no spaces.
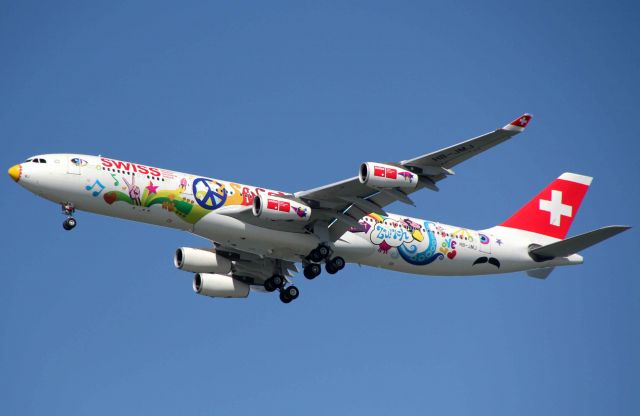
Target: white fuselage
{"x":205,"y":207}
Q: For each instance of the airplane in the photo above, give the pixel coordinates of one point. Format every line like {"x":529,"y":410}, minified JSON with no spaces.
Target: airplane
{"x":258,"y":235}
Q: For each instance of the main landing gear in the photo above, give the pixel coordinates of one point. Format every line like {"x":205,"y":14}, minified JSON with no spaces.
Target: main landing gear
{"x":312,"y":269}
{"x":277,"y":282}
{"x":322,"y":253}
{"x":68,"y":209}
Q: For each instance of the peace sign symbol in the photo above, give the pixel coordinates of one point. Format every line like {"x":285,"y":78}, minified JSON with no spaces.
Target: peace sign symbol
{"x":211,"y":199}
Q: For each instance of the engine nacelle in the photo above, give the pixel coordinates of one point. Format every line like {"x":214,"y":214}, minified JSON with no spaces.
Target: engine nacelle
{"x":268,"y":207}
{"x":379,"y":175}
{"x":197,"y":260}
{"x":219,"y":286}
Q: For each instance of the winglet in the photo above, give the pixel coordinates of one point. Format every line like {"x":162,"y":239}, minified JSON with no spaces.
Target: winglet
{"x":519,"y":124}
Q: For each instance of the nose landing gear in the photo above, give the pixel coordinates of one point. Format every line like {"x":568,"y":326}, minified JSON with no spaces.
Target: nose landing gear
{"x":69,"y":209}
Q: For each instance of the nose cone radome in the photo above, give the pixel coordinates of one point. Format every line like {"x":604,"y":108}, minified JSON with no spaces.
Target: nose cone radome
{"x":15,"y":171}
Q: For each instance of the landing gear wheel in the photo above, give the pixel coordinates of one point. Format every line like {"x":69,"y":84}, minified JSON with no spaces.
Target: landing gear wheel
{"x":292,"y":292}
{"x":319,"y":253}
{"x":278,"y":281}
{"x":274,"y":282}
{"x":315,"y":255}
{"x":69,"y":224}
{"x":311,"y":271}
{"x":284,"y":298}
{"x":268,"y":285}
{"x":323,"y":251}
{"x":331,"y":268}
{"x":338,"y":262}
{"x":289,"y":293}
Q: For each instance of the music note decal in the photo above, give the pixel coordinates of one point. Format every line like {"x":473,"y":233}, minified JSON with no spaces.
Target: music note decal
{"x":116,"y":182}
{"x":96,"y":183}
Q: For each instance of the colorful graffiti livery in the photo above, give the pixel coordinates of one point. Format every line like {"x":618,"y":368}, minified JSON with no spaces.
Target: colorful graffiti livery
{"x":407,"y":237}
{"x":258,"y":235}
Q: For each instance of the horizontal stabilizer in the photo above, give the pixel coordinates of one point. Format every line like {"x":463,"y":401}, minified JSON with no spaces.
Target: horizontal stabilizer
{"x":576,"y":244}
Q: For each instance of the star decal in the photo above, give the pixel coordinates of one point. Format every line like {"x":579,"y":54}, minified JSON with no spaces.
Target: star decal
{"x":152,"y":188}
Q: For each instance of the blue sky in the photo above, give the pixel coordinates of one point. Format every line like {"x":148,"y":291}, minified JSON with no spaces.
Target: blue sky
{"x":293,"y":95}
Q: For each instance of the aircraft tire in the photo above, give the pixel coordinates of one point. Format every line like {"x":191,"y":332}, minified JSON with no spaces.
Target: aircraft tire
{"x":278,"y":281}
{"x":323,"y":251}
{"x":315,"y":255}
{"x":331,"y":268}
{"x":311,"y":271}
{"x":69,"y":224}
{"x":292,"y":292}
{"x":269,"y":286}
{"x":284,"y":298}
{"x":338,"y":262}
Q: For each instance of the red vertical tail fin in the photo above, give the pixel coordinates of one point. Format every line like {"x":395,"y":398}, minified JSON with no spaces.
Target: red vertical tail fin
{"x":552,"y":211}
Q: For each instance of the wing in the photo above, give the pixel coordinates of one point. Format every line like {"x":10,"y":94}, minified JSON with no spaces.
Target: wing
{"x":344,"y":202}
{"x":253,"y":269}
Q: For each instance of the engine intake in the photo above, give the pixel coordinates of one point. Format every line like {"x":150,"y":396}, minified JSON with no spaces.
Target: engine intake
{"x":198,"y":260}
{"x":379,"y":175}
{"x":219,"y":286}
{"x":280,"y":209}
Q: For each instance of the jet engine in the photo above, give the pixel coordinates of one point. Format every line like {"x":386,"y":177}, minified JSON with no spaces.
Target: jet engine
{"x":197,"y":260}
{"x":379,"y":175}
{"x":269,"y":207}
{"x":219,"y":286}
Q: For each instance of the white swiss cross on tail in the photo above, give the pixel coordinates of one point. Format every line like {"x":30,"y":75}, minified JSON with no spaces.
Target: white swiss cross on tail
{"x":552,"y":211}
{"x":555,"y":208}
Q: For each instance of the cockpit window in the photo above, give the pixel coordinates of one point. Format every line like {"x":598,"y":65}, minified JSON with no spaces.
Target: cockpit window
{"x":42,"y":160}
{"x":35,"y":161}
{"x":27,"y":161}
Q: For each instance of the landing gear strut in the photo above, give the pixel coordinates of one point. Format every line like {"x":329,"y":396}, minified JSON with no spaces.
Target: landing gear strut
{"x":68,"y":209}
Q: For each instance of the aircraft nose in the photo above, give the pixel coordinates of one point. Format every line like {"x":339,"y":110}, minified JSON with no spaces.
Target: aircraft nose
{"x":15,"y":171}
